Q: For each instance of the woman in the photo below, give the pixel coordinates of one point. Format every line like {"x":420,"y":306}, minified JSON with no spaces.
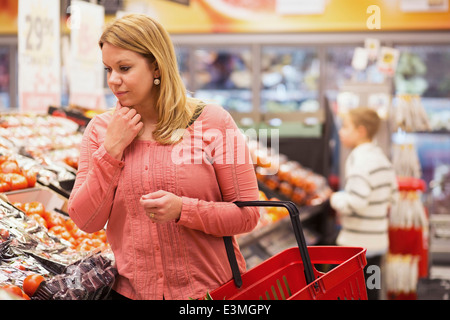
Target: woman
{"x":161,"y":171}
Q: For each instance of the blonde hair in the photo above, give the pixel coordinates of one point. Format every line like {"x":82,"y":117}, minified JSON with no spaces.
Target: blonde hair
{"x":366,"y":117}
{"x":142,"y":34}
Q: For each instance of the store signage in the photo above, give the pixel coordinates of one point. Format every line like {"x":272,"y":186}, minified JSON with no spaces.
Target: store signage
{"x":387,"y":62}
{"x":299,"y":7}
{"x":38,"y":55}
{"x":86,"y":73}
{"x":185,"y":2}
{"x":373,"y":47}
{"x":242,"y":16}
{"x":360,"y":58}
{"x":424,"y":5}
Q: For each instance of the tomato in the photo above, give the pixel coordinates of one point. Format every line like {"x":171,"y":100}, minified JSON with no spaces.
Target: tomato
{"x":34,"y":207}
{"x":57,"y":230}
{"x":16,"y":180}
{"x":31,"y":177}
{"x":9,"y":166}
{"x":41,"y":221}
{"x":87,"y":241}
{"x":70,"y":224}
{"x":4,"y":234}
{"x":84,"y":247}
{"x":46,"y":214}
{"x":31,"y":283}
{"x":72,"y":241}
{"x":13,"y":289}
{"x":96,"y":243}
{"x":65,"y":235}
{"x":55,"y":219}
{"x":4,"y":186}
{"x":77,"y":233}
{"x":3,"y":159}
{"x":71,"y":161}
{"x":18,"y":205}
{"x":61,"y":232}
{"x":101,"y":235}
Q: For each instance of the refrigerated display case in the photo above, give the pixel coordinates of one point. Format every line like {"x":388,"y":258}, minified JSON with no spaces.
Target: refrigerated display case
{"x":4,"y":78}
{"x":224,"y":75}
{"x":182,"y":54}
{"x":290,"y":79}
{"x":289,"y":90}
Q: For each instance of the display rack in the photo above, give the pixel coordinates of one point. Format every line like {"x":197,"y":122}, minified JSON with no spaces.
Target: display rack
{"x":270,"y":239}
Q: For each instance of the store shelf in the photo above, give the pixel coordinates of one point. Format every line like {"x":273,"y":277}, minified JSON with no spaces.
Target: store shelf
{"x":440,"y":239}
{"x":266,"y":241}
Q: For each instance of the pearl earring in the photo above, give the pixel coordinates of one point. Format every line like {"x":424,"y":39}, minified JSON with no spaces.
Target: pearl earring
{"x":156,"y":82}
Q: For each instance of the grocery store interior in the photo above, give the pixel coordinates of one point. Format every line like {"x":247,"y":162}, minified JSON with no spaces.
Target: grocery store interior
{"x":288,"y":69}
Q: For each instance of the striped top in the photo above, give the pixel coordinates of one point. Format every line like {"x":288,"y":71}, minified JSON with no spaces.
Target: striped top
{"x":209,"y":169}
{"x":370,"y":189}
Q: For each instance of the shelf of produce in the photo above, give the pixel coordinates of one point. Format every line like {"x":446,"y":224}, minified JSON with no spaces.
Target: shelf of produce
{"x":28,"y":246}
{"x":306,"y":213}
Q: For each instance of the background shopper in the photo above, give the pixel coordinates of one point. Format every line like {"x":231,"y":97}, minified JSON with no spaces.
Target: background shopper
{"x":370,"y":188}
{"x":165,"y":193}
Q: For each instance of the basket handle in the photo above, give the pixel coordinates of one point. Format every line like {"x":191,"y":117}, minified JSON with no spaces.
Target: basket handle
{"x":298,"y":231}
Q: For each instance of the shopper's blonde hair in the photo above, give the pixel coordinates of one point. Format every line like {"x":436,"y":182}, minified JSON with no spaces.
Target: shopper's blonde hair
{"x":366,"y":117}
{"x":144,"y":35}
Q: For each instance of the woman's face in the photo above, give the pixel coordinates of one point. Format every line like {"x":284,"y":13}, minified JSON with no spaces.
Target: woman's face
{"x":129,"y":75}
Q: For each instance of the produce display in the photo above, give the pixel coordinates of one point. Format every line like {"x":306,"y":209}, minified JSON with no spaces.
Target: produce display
{"x":43,"y":254}
{"x":13,"y":177}
{"x":39,"y":132}
{"x":32,"y":253}
{"x":288,"y":178}
{"x":63,"y":227}
{"x":45,"y":144}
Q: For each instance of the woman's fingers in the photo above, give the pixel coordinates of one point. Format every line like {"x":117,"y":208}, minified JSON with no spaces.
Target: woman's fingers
{"x":125,"y":125}
{"x":161,"y":206}
{"x":130,"y":113}
{"x":135,"y":118}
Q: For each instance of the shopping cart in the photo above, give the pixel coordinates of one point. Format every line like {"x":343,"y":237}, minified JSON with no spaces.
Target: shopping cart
{"x":291,"y":274}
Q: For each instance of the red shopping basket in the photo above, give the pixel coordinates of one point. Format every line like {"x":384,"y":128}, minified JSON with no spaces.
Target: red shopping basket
{"x":291,"y":274}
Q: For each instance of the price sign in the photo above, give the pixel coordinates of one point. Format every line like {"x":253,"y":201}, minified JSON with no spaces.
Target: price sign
{"x":86,"y":68}
{"x":388,"y":59}
{"x":39,"y":55}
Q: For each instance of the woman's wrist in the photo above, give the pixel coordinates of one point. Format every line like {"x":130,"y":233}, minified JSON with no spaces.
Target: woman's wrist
{"x":114,"y":152}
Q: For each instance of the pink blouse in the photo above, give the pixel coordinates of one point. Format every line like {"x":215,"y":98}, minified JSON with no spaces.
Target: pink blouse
{"x":210,"y":168}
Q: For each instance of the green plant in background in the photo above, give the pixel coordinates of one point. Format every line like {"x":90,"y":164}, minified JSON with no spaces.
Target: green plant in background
{"x":409,"y":77}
